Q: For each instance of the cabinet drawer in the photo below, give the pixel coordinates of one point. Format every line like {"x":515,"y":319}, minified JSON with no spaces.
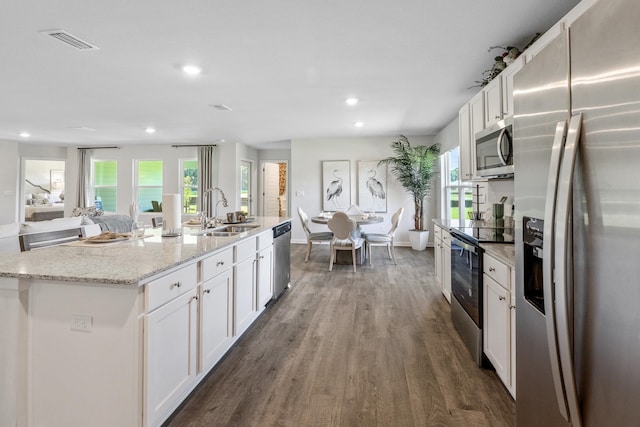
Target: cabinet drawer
{"x":265,"y":240}
{"x":437,"y":232}
{"x":497,"y":271}
{"x":246,"y":249}
{"x":169,"y":286}
{"x":216,"y":264}
{"x":446,"y":238}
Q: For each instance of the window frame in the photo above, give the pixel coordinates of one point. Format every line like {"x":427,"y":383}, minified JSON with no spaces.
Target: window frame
{"x":136,"y":181}
{"x":448,"y":186}
{"x":183,"y":186}
{"x":94,"y":186}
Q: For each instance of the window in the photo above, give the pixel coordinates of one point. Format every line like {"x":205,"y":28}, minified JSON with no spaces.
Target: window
{"x":245,"y":186}
{"x":457,"y":197}
{"x":189,"y":185}
{"x":149,"y":185}
{"x":105,"y":184}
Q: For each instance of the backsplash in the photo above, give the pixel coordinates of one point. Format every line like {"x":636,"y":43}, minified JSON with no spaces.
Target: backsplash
{"x":486,"y":193}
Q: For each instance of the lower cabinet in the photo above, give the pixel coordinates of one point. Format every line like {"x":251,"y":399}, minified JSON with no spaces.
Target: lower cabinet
{"x":442,"y":245}
{"x":170,"y":355}
{"x":216,"y":319}
{"x":245,"y":291}
{"x":499,"y":320}
{"x":265,"y":276}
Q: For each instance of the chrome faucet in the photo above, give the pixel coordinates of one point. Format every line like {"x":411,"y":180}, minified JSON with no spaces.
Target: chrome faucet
{"x":205,"y":199}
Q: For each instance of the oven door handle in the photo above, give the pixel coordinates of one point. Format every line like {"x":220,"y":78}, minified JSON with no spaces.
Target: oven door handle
{"x":464,"y":245}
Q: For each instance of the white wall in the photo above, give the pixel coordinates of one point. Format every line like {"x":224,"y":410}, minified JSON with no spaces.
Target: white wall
{"x":306,"y":178}
{"x":9,"y":189}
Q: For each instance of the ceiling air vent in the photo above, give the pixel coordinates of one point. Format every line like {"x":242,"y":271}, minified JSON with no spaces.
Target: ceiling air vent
{"x":70,"y":39}
{"x":221,"y":107}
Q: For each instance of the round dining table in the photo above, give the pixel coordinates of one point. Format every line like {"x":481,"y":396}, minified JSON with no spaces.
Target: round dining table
{"x":360,"y":220}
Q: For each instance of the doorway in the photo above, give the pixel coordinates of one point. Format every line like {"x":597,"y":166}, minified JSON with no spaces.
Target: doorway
{"x":42,"y":189}
{"x":275,"y":188}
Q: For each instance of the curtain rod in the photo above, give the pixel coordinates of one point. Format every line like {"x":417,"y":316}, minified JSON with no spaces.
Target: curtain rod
{"x":97,"y":148}
{"x":193,"y":145}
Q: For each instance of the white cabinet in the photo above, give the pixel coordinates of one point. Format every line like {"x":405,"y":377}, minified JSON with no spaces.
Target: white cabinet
{"x":507,"y":85}
{"x":499,"y":320}
{"x":245,"y":286}
{"x":497,"y":332}
{"x":493,"y":102}
{"x":216,"y":318}
{"x":170,"y":352}
{"x":442,"y":243}
{"x":446,"y":264}
{"x":265,"y":277}
{"x":476,"y":109}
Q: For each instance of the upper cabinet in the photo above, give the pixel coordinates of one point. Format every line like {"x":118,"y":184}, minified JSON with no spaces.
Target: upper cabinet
{"x":466,"y":153}
{"x":493,"y":101}
{"x":506,"y":78}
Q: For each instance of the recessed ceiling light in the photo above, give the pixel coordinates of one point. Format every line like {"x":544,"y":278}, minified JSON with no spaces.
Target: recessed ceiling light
{"x":25,"y":134}
{"x":358,"y":124}
{"x":192,"y":70}
{"x":351,"y":101}
{"x":150,"y":130}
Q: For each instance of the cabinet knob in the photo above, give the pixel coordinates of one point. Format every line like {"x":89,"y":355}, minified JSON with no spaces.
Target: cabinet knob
{"x":195,"y":297}
{"x":261,"y":257}
{"x":492,"y":269}
{"x":177,"y":285}
{"x":498,"y":116}
{"x":501,"y":298}
{"x":206,"y":291}
{"x":219,"y":263}
{"x":511,"y":307}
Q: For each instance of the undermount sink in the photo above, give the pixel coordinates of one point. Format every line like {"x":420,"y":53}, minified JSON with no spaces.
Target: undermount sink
{"x":228,"y":230}
{"x":237,"y":228}
{"x":217,"y":233}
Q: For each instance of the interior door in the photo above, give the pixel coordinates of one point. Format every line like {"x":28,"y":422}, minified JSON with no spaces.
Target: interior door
{"x":271,"y":189}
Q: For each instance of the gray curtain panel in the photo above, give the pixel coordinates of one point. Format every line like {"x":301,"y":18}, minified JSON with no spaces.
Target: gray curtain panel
{"x":83,"y":177}
{"x":205,"y":177}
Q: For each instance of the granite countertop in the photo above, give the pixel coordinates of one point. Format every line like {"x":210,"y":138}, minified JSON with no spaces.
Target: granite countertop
{"x":121,"y":263}
{"x":502,"y":252}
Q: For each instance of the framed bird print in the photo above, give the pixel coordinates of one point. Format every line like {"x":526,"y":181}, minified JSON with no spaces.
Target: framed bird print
{"x":336,"y":185}
{"x":372,"y":186}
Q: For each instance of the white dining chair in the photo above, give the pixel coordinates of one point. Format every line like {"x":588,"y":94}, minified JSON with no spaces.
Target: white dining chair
{"x":323,"y":236}
{"x":343,"y":227}
{"x":375,"y":239}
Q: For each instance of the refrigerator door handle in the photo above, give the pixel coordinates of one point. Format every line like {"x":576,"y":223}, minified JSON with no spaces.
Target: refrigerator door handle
{"x":561,"y":273}
{"x":557,"y":150}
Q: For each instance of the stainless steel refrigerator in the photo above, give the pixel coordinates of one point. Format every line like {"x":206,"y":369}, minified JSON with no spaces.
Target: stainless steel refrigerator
{"x":577,"y":199}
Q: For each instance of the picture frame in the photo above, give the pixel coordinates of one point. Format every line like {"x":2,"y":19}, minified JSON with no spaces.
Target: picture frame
{"x":372,"y":186}
{"x":56,"y":178}
{"x":336,"y":185}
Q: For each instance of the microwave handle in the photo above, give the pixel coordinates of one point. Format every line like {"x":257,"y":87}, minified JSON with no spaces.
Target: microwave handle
{"x":499,"y":146}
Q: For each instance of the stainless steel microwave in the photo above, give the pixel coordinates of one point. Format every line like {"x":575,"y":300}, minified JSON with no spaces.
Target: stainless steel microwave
{"x":494,"y":150}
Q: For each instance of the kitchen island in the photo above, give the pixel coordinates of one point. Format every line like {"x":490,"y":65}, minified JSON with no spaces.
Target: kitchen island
{"x":121,"y":333}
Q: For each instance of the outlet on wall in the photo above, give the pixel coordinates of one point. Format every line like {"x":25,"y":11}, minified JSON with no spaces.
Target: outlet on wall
{"x":81,"y":322}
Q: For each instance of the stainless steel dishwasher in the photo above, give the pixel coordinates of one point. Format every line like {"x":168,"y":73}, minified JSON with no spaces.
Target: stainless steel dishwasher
{"x":282,"y":255}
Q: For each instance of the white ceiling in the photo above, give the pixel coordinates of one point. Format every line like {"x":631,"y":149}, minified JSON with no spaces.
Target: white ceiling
{"x":285,"y":67}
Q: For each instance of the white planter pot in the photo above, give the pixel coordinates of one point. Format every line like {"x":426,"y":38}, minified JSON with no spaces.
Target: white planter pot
{"x":418,"y":239}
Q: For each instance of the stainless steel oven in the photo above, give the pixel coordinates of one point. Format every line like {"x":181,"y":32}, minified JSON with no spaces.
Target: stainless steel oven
{"x":466,"y":289}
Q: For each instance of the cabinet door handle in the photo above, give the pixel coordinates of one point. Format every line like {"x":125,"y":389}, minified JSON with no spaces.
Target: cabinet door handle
{"x":219,"y":263}
{"x":177,"y":285}
{"x":498,"y":116}
{"x":511,"y":307}
{"x":195,"y":297}
{"x":501,"y":298}
{"x":206,"y":291}
{"x":492,"y":269}
{"x":261,"y":257}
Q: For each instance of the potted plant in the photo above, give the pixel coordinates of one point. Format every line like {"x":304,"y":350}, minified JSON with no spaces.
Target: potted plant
{"x":415,"y":167}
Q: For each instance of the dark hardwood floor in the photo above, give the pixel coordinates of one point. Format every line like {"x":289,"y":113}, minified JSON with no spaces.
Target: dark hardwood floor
{"x":372,"y":348}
